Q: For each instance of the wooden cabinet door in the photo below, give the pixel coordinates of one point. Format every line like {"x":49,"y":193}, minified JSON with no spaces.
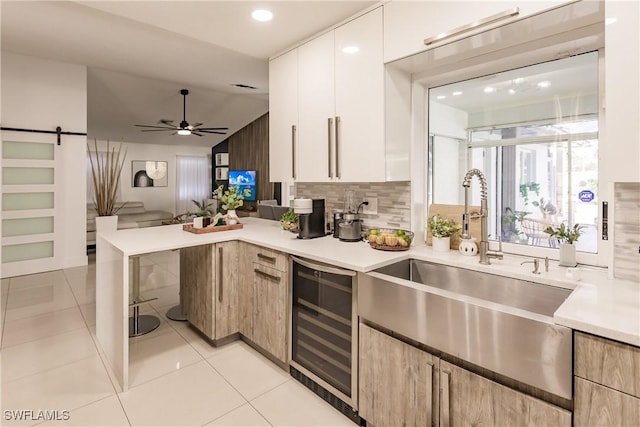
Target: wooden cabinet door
{"x":197,"y":265}
{"x":469,"y":399}
{"x":359,"y":82}
{"x":270,"y":302}
{"x":226,"y":289}
{"x":596,"y":405}
{"x":397,"y":382}
{"x":316,"y":108}
{"x":245,"y":290}
{"x":283,"y":116}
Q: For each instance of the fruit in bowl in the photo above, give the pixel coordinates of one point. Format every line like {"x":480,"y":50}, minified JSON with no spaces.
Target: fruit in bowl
{"x":390,"y":239}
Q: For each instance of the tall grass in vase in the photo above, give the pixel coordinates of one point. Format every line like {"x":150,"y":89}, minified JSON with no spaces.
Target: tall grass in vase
{"x":105,"y":172}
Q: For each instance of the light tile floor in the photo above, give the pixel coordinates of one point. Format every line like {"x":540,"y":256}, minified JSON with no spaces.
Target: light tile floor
{"x":50,"y":362}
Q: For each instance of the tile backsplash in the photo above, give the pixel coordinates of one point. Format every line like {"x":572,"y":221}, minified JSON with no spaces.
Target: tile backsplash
{"x":626,"y":259}
{"x":394,"y":200}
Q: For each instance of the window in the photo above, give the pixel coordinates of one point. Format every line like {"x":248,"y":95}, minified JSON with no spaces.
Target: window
{"x":193,"y":182}
{"x":533,"y":131}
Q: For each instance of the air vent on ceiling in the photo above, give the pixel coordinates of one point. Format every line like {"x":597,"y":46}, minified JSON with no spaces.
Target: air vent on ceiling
{"x":242,"y":86}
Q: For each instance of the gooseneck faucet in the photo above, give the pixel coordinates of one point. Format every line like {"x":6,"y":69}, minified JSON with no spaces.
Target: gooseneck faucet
{"x":485,"y":253}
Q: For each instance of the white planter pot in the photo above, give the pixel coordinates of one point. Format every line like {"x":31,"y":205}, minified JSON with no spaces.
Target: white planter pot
{"x":441,"y":244}
{"x":567,"y":255}
{"x":106,"y":224}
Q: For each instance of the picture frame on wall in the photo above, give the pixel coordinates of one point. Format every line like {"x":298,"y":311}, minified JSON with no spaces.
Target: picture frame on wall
{"x":149,"y":173}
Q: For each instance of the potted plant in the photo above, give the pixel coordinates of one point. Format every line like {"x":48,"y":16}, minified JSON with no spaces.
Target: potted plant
{"x":566,"y":236}
{"x":441,"y":231}
{"x":289,"y":220}
{"x":231,"y":199}
{"x":105,"y":173}
{"x":203,"y":215}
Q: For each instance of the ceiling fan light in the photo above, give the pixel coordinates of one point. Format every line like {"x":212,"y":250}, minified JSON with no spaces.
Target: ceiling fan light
{"x":184,"y":132}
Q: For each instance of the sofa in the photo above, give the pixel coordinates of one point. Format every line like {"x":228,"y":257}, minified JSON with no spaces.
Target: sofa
{"x":131,"y":215}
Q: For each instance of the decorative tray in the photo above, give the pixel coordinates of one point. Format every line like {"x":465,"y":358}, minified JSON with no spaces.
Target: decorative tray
{"x":211,"y":229}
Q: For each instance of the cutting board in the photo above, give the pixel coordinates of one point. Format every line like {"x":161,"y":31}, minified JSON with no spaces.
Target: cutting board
{"x":455,"y":212}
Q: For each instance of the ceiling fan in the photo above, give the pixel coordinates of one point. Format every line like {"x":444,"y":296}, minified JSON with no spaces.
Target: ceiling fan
{"x":184,"y":128}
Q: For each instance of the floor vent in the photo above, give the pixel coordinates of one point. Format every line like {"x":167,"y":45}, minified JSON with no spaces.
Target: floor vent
{"x":337,"y":403}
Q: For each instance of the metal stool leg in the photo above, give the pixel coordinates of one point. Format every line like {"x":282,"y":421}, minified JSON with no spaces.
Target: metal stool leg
{"x":140,"y":324}
{"x":175,"y":313}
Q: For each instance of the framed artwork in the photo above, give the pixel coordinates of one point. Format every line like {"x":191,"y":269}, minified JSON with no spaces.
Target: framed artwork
{"x":148,"y":173}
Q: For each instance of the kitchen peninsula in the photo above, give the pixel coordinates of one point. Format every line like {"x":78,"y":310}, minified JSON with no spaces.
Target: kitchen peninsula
{"x":597,"y":305}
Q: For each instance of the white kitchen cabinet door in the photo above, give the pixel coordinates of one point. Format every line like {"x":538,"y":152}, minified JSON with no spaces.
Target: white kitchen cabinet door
{"x":408,"y":23}
{"x":359,"y":89}
{"x":283,"y":116}
{"x":316,"y":110}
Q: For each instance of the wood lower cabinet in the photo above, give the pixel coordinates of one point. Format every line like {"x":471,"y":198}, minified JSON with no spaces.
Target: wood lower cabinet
{"x":607,"y":382}
{"x":401,"y":385}
{"x":264,"y":299}
{"x":397,"y":382}
{"x":469,"y":399}
{"x":209,"y":288}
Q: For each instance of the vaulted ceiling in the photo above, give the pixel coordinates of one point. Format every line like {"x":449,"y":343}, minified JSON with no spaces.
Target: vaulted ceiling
{"x":140,"y":54}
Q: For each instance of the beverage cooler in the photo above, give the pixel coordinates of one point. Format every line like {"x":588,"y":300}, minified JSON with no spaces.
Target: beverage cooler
{"x":324,"y":331}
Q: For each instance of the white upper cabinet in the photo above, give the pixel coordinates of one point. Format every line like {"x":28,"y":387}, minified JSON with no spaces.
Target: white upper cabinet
{"x":359,"y":111}
{"x":408,"y":23}
{"x":336,"y":132}
{"x":316,"y":109}
{"x":283,"y":116}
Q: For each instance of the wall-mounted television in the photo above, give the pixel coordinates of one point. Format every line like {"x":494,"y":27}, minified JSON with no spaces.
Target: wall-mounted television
{"x":244,"y":180}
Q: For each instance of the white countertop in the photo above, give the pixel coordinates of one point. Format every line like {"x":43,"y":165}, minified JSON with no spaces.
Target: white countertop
{"x":597,"y":305}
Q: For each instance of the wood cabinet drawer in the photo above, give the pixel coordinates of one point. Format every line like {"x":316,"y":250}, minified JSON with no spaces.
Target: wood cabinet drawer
{"x":610,"y":363}
{"x":267,"y":257}
{"x":596,"y":405}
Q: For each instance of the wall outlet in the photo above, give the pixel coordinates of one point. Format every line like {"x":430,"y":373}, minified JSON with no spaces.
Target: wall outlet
{"x":372,"y":208}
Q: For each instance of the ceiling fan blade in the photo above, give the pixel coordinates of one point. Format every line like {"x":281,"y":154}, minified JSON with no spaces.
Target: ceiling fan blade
{"x":196,"y":125}
{"x":167,"y":122}
{"x":195,"y":133}
{"x":156,"y":130}
{"x":155,"y":127}
{"x":212,"y":131}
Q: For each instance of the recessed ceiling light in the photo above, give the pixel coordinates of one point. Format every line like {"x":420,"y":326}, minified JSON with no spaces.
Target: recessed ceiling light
{"x":544,"y":84}
{"x":349,"y":50}
{"x":457,"y":93}
{"x":512,"y":91}
{"x":262,"y":15}
{"x":441,"y":97}
{"x":489,"y":89}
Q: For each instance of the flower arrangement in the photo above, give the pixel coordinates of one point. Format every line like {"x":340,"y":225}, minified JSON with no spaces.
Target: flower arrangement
{"x":231,"y":198}
{"x":442,"y":227}
{"x":564,"y":234}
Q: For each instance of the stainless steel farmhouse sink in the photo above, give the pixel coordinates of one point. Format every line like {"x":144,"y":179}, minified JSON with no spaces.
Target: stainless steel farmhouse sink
{"x":495,"y":322}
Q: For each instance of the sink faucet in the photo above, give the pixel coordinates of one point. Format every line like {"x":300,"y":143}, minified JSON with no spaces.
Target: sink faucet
{"x":536,"y":265}
{"x":485,"y":253}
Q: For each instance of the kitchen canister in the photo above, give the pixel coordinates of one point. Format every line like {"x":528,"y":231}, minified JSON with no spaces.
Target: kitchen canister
{"x":468,"y":247}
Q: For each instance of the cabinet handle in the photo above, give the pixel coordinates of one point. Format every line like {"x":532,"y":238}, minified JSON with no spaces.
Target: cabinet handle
{"x":266,"y":275}
{"x":429,"y":398}
{"x":268,"y":258}
{"x":293,"y":151}
{"x":329,"y":131}
{"x":477,"y":24}
{"x":445,"y":420}
{"x":338,"y":126}
{"x":220,"y":273}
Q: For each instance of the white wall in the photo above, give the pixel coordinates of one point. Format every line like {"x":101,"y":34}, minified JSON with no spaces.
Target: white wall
{"x":154,"y":198}
{"x":43,"y":94}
